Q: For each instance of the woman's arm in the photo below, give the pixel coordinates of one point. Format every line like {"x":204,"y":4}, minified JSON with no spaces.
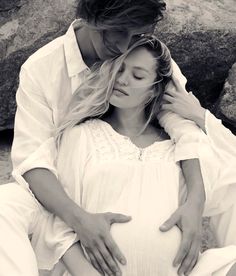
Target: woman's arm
{"x":77,"y":264}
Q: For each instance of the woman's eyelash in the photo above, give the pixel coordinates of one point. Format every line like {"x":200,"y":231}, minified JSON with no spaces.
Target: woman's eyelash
{"x":121,"y":69}
{"x":138,"y":78}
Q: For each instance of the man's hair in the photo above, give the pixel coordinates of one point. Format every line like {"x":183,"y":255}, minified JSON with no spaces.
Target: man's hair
{"x":106,"y":14}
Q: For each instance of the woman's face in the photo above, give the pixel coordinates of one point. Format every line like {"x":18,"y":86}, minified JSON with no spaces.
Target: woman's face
{"x":134,"y":81}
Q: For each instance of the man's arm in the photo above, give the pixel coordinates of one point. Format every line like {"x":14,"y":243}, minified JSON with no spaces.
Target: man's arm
{"x":33,"y":150}
{"x":188,"y":217}
{"x":33,"y":156}
{"x":187,"y":136}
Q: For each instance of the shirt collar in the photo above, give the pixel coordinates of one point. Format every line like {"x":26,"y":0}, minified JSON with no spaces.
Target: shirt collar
{"x":74,"y":60}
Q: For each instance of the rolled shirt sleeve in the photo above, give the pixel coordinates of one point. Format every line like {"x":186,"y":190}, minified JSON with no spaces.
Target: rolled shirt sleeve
{"x":192,"y":143}
{"x":33,"y":145}
{"x":52,"y":237}
{"x":184,"y":133}
{"x":222,"y":166}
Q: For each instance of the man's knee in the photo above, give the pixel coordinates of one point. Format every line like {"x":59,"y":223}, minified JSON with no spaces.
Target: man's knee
{"x":18,"y":208}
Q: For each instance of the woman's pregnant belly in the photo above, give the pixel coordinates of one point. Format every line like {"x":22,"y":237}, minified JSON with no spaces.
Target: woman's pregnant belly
{"x":148,"y":251}
{"x":149,"y":198}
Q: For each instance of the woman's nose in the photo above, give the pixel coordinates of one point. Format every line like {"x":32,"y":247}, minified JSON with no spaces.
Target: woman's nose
{"x":123,"y":79}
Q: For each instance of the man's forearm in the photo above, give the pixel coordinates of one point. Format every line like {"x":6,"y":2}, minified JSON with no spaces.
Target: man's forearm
{"x":193,"y":177}
{"x":50,"y":193}
{"x":199,"y":118}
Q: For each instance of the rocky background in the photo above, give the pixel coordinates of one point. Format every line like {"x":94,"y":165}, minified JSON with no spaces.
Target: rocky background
{"x":200,"y":34}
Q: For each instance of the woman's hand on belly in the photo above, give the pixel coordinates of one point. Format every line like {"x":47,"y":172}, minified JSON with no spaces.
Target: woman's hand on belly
{"x":188,"y":218}
{"x":94,"y":235}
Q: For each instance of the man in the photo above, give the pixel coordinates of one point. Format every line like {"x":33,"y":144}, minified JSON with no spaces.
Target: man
{"x":47,"y":81}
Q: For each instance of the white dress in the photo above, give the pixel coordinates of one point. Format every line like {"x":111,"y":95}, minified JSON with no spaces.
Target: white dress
{"x":104,"y":171}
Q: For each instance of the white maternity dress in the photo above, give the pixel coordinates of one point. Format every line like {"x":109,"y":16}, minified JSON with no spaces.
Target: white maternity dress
{"x":104,"y":171}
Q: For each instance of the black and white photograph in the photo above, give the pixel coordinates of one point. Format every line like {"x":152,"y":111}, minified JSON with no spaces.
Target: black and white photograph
{"x":117,"y":138}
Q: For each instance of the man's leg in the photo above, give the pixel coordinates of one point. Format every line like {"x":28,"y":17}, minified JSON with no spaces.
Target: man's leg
{"x":18,"y":211}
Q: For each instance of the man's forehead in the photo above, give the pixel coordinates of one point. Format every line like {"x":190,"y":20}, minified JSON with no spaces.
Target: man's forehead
{"x":135,"y":29}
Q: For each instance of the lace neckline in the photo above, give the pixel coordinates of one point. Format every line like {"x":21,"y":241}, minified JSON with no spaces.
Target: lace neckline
{"x":116,"y":134}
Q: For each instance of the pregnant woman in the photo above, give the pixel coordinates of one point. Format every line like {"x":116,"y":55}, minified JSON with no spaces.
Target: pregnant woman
{"x":114,"y":157}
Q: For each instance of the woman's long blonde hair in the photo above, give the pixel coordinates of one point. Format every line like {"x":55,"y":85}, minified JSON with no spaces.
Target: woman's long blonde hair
{"x":91,"y":99}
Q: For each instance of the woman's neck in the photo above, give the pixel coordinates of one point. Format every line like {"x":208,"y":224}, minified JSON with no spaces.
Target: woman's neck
{"x":128,"y":122}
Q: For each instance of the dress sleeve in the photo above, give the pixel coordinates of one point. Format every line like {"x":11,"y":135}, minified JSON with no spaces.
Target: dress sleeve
{"x":33,"y":128}
{"x":52,"y":237}
{"x":184,"y":133}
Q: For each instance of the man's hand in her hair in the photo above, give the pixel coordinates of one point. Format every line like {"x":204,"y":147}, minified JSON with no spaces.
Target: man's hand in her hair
{"x":179,"y":101}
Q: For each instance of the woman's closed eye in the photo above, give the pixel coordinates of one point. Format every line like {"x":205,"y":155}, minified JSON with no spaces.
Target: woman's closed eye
{"x":138,"y":77}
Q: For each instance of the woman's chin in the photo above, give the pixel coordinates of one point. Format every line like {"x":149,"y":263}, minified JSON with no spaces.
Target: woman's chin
{"x":116,"y":101}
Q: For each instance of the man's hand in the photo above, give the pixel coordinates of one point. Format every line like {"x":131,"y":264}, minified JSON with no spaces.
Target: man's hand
{"x":179,"y":101}
{"x":94,"y":234}
{"x":188,"y":218}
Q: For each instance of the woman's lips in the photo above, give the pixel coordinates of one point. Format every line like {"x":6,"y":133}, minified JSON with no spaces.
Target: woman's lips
{"x":121,"y":91}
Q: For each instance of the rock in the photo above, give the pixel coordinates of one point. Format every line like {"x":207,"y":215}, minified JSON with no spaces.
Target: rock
{"x":25,"y":26}
{"x":226,"y":105}
{"x":201,"y":35}
{"x":5,"y":165}
{"x":5,"y":159}
{"x":202,"y":38}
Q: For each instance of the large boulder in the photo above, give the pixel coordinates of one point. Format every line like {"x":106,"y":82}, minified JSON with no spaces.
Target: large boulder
{"x":226,"y":105}
{"x":25,"y":26}
{"x":201,"y":35}
{"x":202,"y":38}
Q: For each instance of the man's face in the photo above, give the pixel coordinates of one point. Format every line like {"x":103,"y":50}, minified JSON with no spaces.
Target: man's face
{"x":111,"y":43}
